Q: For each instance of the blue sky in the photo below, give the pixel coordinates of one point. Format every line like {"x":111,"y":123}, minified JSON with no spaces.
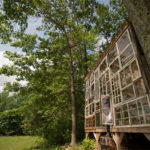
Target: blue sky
{"x":33,"y":23}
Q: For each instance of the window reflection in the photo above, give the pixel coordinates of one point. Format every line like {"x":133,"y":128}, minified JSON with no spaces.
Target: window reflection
{"x":127,"y":55}
{"x":123,"y":41}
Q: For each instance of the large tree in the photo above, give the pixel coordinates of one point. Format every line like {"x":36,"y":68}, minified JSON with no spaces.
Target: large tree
{"x":66,"y":35}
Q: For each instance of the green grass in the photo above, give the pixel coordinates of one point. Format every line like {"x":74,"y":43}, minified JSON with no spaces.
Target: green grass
{"x":18,"y":142}
{"x":26,"y":143}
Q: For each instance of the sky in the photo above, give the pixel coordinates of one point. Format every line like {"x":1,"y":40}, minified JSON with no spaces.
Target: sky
{"x":33,"y":23}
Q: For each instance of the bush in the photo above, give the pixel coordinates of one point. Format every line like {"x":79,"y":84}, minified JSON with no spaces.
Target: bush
{"x":10,"y":123}
{"x":88,"y":144}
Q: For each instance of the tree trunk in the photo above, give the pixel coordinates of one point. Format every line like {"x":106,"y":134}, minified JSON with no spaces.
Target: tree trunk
{"x":139,"y":13}
{"x":73,"y":136}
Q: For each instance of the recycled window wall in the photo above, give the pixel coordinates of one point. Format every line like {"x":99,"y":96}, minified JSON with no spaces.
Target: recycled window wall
{"x":106,"y":111}
{"x":92,"y":90}
{"x":112,"y":54}
{"x":119,"y":75}
{"x":104,"y":84}
{"x":132,"y":88}
{"x":87,"y":93}
{"x":98,"y":114}
{"x":123,"y":41}
{"x":90,"y":122}
{"x":96,"y":90}
{"x":134,"y":113}
{"x":114,"y":67}
{"x":103,"y":66}
{"x":92,"y":78}
{"x":116,"y":89}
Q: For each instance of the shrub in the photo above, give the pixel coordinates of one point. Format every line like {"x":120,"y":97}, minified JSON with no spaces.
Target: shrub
{"x":88,"y":144}
{"x":10,"y":123}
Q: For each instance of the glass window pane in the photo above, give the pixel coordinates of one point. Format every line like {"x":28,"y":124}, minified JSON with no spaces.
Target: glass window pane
{"x":90,"y":109}
{"x":87,"y":111}
{"x":97,"y":119}
{"x":147,"y":117}
{"x":92,"y":77}
{"x":118,"y":110}
{"x":118,"y":116}
{"x":93,"y":108}
{"x":144,"y":101}
{"x":92,"y":90}
{"x":127,"y":55}
{"x":108,"y":87}
{"x":132,"y":105}
{"x":125,"y":114}
{"x":96,"y":93}
{"x":103,"y":66}
{"x":89,"y":93}
{"x":106,"y":76}
{"x":133,"y":112}
{"x":139,"y":88}
{"x":114,"y":67}
{"x":135,"y":70}
{"x":112,"y":54}
{"x":135,"y":120}
{"x":146,"y":109}
{"x":128,"y":93}
{"x":126,"y":77}
{"x":123,"y":41}
{"x":141,"y":119}
{"x":87,"y":83}
{"x":106,"y":112}
{"x":96,"y":75}
{"x":125,"y":121}
{"x":119,"y":122}
{"x":98,"y":106}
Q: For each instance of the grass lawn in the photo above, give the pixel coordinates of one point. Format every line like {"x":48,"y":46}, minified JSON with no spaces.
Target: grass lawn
{"x":26,"y":143}
{"x":17,"y":142}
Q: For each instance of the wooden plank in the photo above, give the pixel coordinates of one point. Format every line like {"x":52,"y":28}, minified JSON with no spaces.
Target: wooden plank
{"x":122,"y":130}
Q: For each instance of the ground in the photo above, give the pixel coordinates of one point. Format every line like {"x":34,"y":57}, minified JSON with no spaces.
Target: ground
{"x":27,"y":143}
{"x":18,"y":142}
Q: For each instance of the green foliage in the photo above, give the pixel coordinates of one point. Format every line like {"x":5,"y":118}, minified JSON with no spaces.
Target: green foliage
{"x":110,"y":18}
{"x":45,"y":61}
{"x":10,"y":114}
{"x":10,"y":123}
{"x":88,"y":144}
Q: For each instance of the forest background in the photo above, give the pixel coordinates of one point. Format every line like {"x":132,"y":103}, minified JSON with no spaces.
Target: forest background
{"x":51,"y":103}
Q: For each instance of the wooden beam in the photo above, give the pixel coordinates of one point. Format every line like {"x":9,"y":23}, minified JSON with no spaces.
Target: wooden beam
{"x":147,"y":136}
{"x":86,"y":135}
{"x":122,"y":129}
{"x":118,"y":139}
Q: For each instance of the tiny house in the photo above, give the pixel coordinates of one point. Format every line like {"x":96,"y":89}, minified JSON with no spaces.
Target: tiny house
{"x":117,"y":95}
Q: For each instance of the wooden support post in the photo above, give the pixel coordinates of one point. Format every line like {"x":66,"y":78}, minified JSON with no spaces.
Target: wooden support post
{"x":97,"y":136}
{"x":118,"y":139}
{"x":147,"y":135}
{"x":86,"y":135}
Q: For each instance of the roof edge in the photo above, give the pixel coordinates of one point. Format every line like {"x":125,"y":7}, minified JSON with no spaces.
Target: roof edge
{"x":113,"y":41}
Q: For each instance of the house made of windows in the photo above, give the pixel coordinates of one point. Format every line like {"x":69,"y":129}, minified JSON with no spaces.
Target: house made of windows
{"x":117,"y":100}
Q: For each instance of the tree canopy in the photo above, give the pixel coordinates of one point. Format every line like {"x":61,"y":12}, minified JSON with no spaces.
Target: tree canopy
{"x":55,"y":65}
